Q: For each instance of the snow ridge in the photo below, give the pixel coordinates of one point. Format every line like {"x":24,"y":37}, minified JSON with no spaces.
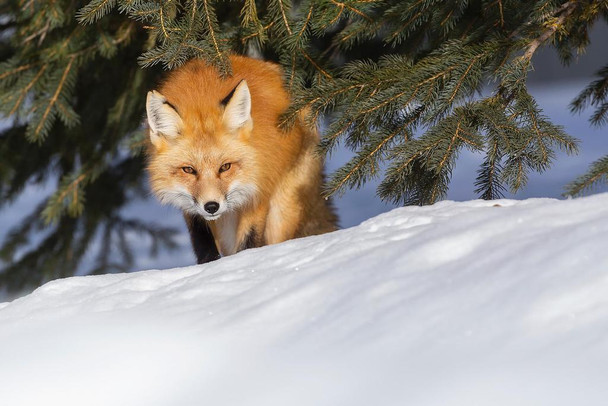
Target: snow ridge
{"x":467,"y":302}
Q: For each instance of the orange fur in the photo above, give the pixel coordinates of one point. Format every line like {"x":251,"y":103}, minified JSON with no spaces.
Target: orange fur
{"x":275,"y":178}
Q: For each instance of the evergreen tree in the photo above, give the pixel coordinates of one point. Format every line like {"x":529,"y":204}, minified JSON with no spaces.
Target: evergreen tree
{"x":402,"y":83}
{"x":73,"y":97}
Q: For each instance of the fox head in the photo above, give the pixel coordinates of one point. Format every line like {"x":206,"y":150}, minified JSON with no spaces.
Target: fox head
{"x":201,"y":160}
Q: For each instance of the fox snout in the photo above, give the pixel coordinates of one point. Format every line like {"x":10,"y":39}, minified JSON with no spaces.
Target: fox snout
{"x":211,"y":207}
{"x":212,"y":204}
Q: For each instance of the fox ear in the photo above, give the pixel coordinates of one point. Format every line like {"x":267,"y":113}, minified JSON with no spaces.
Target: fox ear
{"x":162,"y":118}
{"x":237,"y":110}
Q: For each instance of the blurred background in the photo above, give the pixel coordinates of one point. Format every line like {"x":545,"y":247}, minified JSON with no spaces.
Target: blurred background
{"x":553,"y":85}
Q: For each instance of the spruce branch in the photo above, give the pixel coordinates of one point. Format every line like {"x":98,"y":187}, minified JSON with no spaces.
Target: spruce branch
{"x":261,"y":33}
{"x":26,"y":90}
{"x":357,"y":32}
{"x":43,"y":125}
{"x":488,"y":184}
{"x":14,"y":71}
{"x":354,"y":10}
{"x":68,"y":197}
{"x":316,"y":65}
{"x":284,"y":6}
{"x":562,"y":13}
{"x":367,"y":162}
{"x":41,"y":34}
{"x":212,"y":29}
{"x":251,"y":22}
{"x":94,"y":10}
{"x":595,"y":94}
{"x":597,"y":174}
{"x":162,"y":22}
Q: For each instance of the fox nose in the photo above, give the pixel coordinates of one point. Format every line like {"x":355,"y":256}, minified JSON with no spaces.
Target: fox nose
{"x":212,"y":207}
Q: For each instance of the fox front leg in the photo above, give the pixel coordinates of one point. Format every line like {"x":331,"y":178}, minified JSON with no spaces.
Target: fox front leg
{"x":202,"y":239}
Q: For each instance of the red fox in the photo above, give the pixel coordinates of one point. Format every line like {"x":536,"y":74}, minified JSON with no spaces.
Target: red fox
{"x":217,"y":154}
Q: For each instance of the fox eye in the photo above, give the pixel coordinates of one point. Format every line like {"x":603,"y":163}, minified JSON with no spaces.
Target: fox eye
{"x":225,"y":167}
{"x":188,"y":169}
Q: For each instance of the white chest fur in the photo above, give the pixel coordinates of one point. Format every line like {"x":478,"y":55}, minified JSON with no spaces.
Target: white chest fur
{"x":227,"y":231}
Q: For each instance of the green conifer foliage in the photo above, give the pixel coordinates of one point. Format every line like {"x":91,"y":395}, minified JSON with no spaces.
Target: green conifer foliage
{"x":595,"y":95}
{"x":405,"y":84}
{"x":73,"y":97}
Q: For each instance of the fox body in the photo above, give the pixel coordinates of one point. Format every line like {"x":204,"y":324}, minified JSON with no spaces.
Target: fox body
{"x":217,"y":154}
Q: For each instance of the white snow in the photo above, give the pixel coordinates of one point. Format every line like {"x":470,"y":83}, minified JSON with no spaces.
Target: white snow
{"x":472,"y":303}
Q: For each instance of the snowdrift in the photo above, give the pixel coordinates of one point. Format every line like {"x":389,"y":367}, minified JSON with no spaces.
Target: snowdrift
{"x":472,"y":303}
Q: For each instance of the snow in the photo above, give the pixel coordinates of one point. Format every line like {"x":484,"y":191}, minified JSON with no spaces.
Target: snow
{"x":459,"y":303}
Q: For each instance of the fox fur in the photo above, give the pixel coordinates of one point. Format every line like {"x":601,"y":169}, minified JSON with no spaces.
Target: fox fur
{"x":218,"y":154}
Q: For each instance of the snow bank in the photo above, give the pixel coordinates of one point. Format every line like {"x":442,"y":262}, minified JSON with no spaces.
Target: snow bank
{"x":474,"y":303}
